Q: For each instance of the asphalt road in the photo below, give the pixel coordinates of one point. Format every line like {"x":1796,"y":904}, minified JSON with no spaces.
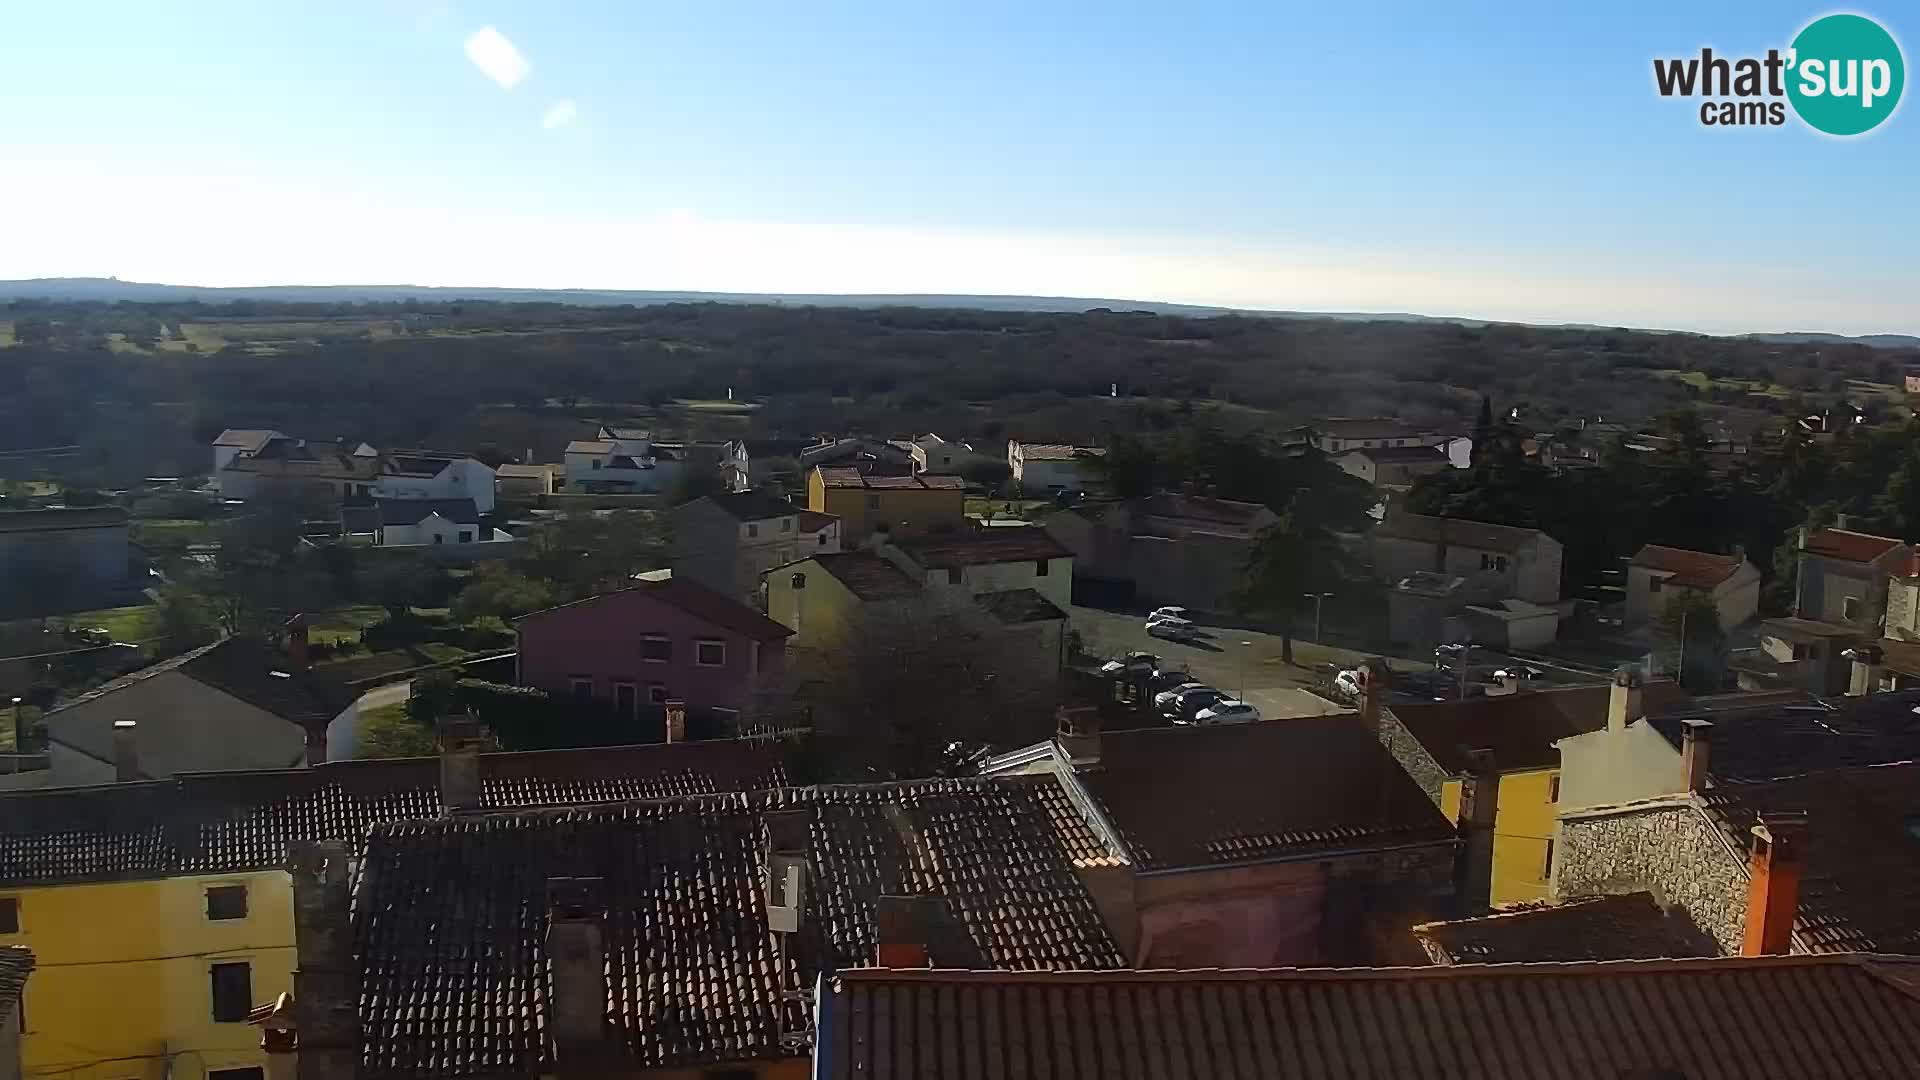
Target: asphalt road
{"x":1243,"y":663}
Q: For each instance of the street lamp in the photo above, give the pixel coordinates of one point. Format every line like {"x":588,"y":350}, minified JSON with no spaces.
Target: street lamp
{"x":19,"y":732}
{"x":1316,"y":597}
{"x":1246,"y":658}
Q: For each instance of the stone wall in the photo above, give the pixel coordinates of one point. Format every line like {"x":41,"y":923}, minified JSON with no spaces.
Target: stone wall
{"x":1674,"y":850}
{"x":1412,"y":756}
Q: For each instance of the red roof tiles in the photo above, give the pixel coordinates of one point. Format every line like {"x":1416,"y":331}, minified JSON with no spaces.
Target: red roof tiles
{"x":1849,"y":546}
{"x":997,"y":546}
{"x":1689,"y":569}
{"x":1631,"y":926}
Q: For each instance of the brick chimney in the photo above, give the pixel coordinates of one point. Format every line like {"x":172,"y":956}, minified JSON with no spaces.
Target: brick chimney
{"x":1479,"y":801}
{"x":902,"y":931}
{"x":576,"y":950}
{"x":126,"y":755}
{"x":1696,"y":740}
{"x":460,"y":738}
{"x":1777,"y":856}
{"x":676,"y":720}
{"x":1624,"y":702}
{"x":298,"y":655}
{"x":1078,"y":735}
{"x":1374,"y":682}
{"x":1864,"y":675}
{"x":315,"y":728}
{"x":326,"y":981}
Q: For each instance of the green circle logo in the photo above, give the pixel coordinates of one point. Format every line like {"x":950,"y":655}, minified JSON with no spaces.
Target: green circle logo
{"x":1845,"y":74}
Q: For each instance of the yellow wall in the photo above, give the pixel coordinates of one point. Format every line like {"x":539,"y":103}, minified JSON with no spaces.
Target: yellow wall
{"x":905,"y":511}
{"x":121,"y":990}
{"x":818,"y":614}
{"x":1522,"y":830}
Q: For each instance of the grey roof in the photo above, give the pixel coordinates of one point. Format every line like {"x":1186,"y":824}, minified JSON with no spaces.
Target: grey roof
{"x":1630,"y":926}
{"x":1776,"y":738}
{"x":414,"y":511}
{"x":751,"y":506}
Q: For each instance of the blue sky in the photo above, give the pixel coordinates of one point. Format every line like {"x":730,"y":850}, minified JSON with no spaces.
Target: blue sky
{"x":1509,"y":161}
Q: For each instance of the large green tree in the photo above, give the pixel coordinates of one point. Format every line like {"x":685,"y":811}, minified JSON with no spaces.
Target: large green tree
{"x":1290,"y":559}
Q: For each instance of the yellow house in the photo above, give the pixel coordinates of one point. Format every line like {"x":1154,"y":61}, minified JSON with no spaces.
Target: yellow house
{"x":821,"y":598}
{"x":901,"y":505}
{"x":1503,"y":744}
{"x":159,"y":911}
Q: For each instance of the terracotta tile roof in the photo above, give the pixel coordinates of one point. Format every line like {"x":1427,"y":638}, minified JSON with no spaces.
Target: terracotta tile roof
{"x":1212,"y":796}
{"x":812,"y":521}
{"x":63,"y":519}
{"x":751,"y":506}
{"x":16,"y":963}
{"x":1520,"y":728}
{"x":868,"y":576}
{"x":1860,"y":888}
{"x":1631,"y":926}
{"x":1019,"y":606}
{"x":718,"y":611}
{"x":1806,"y":1017}
{"x":1058,"y":452}
{"x":847,"y":476}
{"x":453,"y":967}
{"x":1689,"y":569}
{"x":1849,"y":546}
{"x":1456,"y":532}
{"x":946,"y":552}
{"x":235,"y":821}
{"x":1782,"y":738}
{"x":1792,"y":626}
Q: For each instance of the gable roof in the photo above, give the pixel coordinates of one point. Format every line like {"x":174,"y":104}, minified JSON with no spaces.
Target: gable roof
{"x":1202,"y":508}
{"x":418,"y":462}
{"x":625,"y":434}
{"x":1849,"y":546}
{"x":1456,"y":532}
{"x":716,"y":610}
{"x":1519,"y":728}
{"x":848,"y":476}
{"x":231,"y":822}
{"x":1812,"y":1017}
{"x":248,"y":439}
{"x":415,"y":511}
{"x":1630,"y":926}
{"x":812,"y":521}
{"x":750,"y":505}
{"x":1189,"y":797}
{"x":1777,"y":737}
{"x":524,"y":472}
{"x":589,"y":446}
{"x":866,"y":575}
{"x":1860,"y":886}
{"x":694,"y":977}
{"x":1058,"y":452}
{"x":1689,"y":569}
{"x":1019,"y":606}
{"x":946,"y":552}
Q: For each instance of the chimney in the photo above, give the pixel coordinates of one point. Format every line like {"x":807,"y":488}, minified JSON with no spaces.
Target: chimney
{"x":1842,"y":521}
{"x":297,"y":654}
{"x":316,"y":732}
{"x":901,"y":932}
{"x":1773,"y":882}
{"x":577,"y":956}
{"x":126,"y":756}
{"x":1740,"y":552}
{"x":1864,"y":677}
{"x":1624,"y":704}
{"x":1078,"y":736}
{"x":1696,"y":739}
{"x":1373,"y":694}
{"x":459,"y":763}
{"x":676,"y":721}
{"x":326,"y":982}
{"x":1479,"y":800}
{"x":1800,"y":538}
{"x":785,"y":845}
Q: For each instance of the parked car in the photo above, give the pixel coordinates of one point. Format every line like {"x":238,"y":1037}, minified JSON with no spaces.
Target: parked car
{"x":1169,"y":612}
{"x":1347,"y":685}
{"x":1167,"y":680}
{"x":1173,"y":630}
{"x":1227,"y":711}
{"x":1161,"y":699}
{"x":1183,"y":708}
{"x":1134,"y":663}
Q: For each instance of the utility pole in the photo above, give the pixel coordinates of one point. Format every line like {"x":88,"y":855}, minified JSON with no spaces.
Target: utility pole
{"x":1317,"y":597}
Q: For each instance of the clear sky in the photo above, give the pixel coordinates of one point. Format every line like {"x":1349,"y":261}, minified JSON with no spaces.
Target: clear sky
{"x":1512,"y":161}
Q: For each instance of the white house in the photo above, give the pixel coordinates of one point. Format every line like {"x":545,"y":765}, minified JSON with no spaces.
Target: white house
{"x":933,"y":454}
{"x":1050,"y":468}
{"x":434,"y":474}
{"x":425,"y":522}
{"x":627,"y":461}
{"x":1658,"y":574}
{"x":250,"y":463}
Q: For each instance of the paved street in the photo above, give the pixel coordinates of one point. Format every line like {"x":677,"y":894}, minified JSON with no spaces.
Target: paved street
{"x":1240,"y":662}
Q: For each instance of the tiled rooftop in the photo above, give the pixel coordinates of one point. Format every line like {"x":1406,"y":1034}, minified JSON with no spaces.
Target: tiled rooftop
{"x":1803,"y":1017}
{"x":449,"y":917}
{"x":1688,"y":569}
{"x":1630,"y":926}
{"x":1058,"y":452}
{"x":847,"y":476}
{"x":1849,"y":546}
{"x":1456,"y":532}
{"x":718,"y":611}
{"x":236,"y":821}
{"x":1019,"y":606}
{"x":1520,"y":728}
{"x":868,"y":576}
{"x":1214,"y":796}
{"x":1006,"y":546}
{"x":1778,"y":738}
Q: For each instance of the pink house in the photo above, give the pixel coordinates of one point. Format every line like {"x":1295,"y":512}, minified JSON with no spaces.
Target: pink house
{"x":660,"y":640}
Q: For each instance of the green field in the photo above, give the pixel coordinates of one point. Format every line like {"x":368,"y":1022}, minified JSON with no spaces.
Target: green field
{"x":1703,"y":382}
{"x":343,"y":624}
{"x":716,"y":406}
{"x":6,"y":333}
{"x":123,"y":623}
{"x":387,"y":732}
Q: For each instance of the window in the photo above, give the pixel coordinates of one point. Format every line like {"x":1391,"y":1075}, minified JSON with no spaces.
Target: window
{"x":753,"y":529}
{"x":1493,"y":562}
{"x":466,"y":536}
{"x":232,"y":992}
{"x":656,"y":693}
{"x":656,"y":648}
{"x":1653,"y":586}
{"x":437,"y":538}
{"x":252,"y":1072}
{"x":1553,"y":788}
{"x":226,"y":901}
{"x":9,"y":915}
{"x":873,"y":502}
{"x":626,"y":699}
{"x":728,"y":720}
{"x":596,"y":463}
{"x":1850,"y":608}
{"x":710,"y":653}
{"x":1546,"y":865}
{"x":582,"y":688}
{"x":1039,"y":568}
{"x":786,"y":524}
{"x":823,"y":543}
